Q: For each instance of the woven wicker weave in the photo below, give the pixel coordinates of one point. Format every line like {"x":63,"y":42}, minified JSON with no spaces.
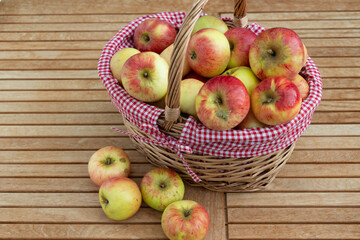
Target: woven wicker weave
{"x":225,"y":175}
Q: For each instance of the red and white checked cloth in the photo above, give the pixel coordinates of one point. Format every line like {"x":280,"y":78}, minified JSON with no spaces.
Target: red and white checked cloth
{"x":201,"y":140}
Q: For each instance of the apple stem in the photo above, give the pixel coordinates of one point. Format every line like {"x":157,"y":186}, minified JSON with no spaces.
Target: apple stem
{"x":271,"y":52}
{"x":108,"y":161}
{"x":187,"y":212}
{"x":193,"y":55}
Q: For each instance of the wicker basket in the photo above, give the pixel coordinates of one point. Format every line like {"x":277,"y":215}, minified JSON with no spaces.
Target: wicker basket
{"x":161,"y":138}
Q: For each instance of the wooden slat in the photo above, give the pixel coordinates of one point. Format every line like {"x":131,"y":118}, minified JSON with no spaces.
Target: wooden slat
{"x":61,"y":118}
{"x":340,"y":72}
{"x":50,"y":45}
{"x":341,"y":83}
{"x":310,"y":24}
{"x":294,"y":231}
{"x":48,"y":65}
{"x":44,"y":84}
{"x":63,"y":143}
{"x":81,"y":231}
{"x":320,"y":170}
{"x":72,"y":215}
{"x":57,"y":107}
{"x":49,"y":74}
{"x":328,"y":143}
{"x":340,"y":105}
{"x":260,"y":199}
{"x":61,"y":27}
{"x":51,"y":36}
{"x":337,"y":62}
{"x":334,"y":52}
{"x":43,"y":157}
{"x":294,"y":215}
{"x":332,"y":130}
{"x":325,"y":156}
{"x":336,"y":117}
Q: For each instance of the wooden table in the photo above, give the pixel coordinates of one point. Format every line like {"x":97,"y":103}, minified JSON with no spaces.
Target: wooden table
{"x":55,"y":112}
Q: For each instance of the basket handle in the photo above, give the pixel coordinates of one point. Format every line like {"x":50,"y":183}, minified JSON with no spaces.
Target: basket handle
{"x":172,"y":108}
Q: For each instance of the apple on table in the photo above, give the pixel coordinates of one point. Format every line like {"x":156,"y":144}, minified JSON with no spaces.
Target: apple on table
{"x":108,"y":162}
{"x":161,"y":187}
{"x":120,"y":198}
{"x":185,"y":220}
{"x":154,"y":35}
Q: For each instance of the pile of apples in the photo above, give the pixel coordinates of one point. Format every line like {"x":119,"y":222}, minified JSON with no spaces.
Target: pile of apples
{"x":231,"y":77}
{"x":161,"y":189}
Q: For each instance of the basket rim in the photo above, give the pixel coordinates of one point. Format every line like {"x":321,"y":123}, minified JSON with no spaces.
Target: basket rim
{"x":310,"y":71}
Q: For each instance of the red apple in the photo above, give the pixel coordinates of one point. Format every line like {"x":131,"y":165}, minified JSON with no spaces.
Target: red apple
{"x":154,"y":35}
{"x":108,"y":162}
{"x":120,"y":198}
{"x":145,"y":76}
{"x":302,"y":85}
{"x":275,"y":101}
{"x":222,"y":103}
{"x":240,"y":40}
{"x":185,"y":220}
{"x":196,"y":76}
{"x":276,"y":52}
{"x":208,"y":52}
{"x":161,"y":187}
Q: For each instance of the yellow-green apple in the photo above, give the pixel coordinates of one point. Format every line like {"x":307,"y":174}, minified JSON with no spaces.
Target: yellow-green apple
{"x":120,"y":198}
{"x":196,"y":76}
{"x":185,"y":220}
{"x":208,"y":21}
{"x":166,"y":54}
{"x":118,"y":60}
{"x":305,"y":54}
{"x":154,"y":35}
{"x":249,"y":121}
{"x":145,"y":76}
{"x":189,"y":89}
{"x":108,"y":162}
{"x":208,"y":52}
{"x":246,"y":76}
{"x":302,"y":85}
{"x":240,"y":40}
{"x":161,"y":187}
{"x":276,"y":52}
{"x":222,"y":103}
{"x":275,"y":100}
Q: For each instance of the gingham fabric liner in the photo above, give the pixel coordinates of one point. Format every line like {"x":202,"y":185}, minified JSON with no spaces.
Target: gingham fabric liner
{"x":232,"y":143}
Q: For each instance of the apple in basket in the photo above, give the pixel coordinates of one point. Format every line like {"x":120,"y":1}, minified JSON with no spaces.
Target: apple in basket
{"x":145,"y":76}
{"x":250,"y":121}
{"x":222,"y":103}
{"x":161,"y":187}
{"x":302,"y":85}
{"x":108,"y":162}
{"x":209,"y":21}
{"x":166,"y":54}
{"x":246,"y":76}
{"x":118,"y":60}
{"x":186,"y":220}
{"x":277,"y":52}
{"x":154,"y":35}
{"x":189,"y":89}
{"x":275,"y":101}
{"x":208,"y":52}
{"x":240,"y":40}
{"x":120,"y":198}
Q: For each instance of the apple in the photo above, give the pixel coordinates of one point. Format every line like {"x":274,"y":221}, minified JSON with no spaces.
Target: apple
{"x":166,"y":54}
{"x":145,"y":76}
{"x":154,"y":35}
{"x":240,"y":40}
{"x":275,"y":101}
{"x":189,"y":89}
{"x":108,"y":162}
{"x":196,"y":76}
{"x":208,"y":52}
{"x":249,"y":121}
{"x":161,"y":187}
{"x":305,"y":54}
{"x":222,"y":103}
{"x":208,"y":21}
{"x":120,"y":198}
{"x":185,"y":220}
{"x":276,"y":52}
{"x":246,"y":76}
{"x":302,"y":85}
{"x":118,"y":60}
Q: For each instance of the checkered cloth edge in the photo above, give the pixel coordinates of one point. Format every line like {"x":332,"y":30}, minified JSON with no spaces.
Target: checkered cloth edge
{"x":232,"y":143}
